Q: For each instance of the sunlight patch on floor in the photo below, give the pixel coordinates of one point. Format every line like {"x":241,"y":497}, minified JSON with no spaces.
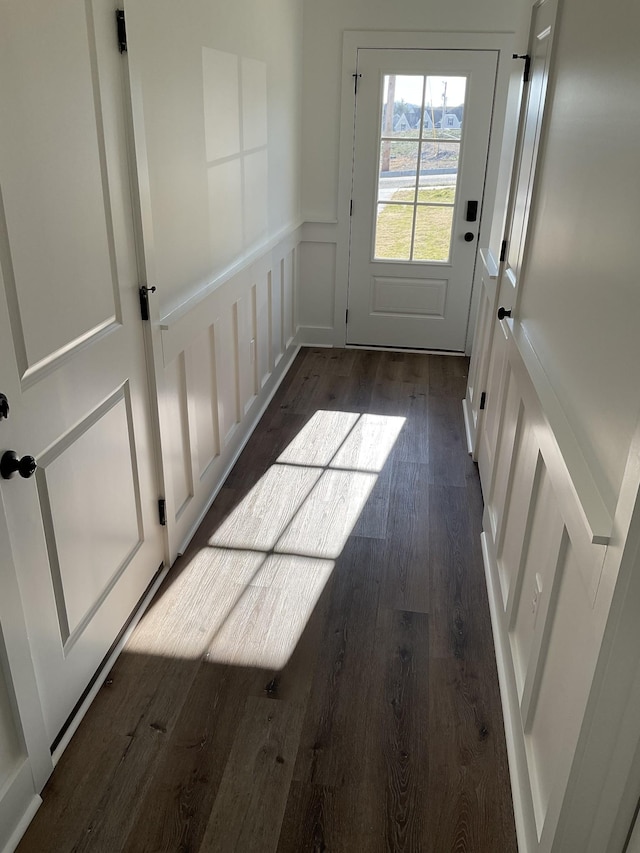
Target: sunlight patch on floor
{"x":246,"y":597}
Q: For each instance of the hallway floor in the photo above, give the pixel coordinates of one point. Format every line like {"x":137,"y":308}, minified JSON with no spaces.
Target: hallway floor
{"x":317,"y":672}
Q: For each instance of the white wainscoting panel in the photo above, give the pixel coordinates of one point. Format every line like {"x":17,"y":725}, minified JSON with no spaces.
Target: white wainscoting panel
{"x":317,"y":284}
{"x":543,"y":569}
{"x":223,"y":358}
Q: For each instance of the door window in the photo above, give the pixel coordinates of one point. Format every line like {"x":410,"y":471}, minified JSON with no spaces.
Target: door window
{"x":420,"y":146}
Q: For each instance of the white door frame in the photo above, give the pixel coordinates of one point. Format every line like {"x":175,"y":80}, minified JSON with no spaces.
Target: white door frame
{"x":355,"y":39}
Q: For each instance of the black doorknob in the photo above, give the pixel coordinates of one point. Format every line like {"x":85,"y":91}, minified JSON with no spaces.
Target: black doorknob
{"x":10,"y":463}
{"x":469,"y":236}
{"x":4,"y":407}
{"x":503,"y":312}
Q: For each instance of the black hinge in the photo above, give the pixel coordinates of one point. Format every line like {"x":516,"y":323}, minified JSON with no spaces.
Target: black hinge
{"x":122,"y":31}
{"x":483,"y":400}
{"x":356,"y":77}
{"x":346,"y":316}
{"x":351,"y":208}
{"x":503,"y":251}
{"x":144,"y":292}
{"x":527,"y":65}
{"x":162,"y":512}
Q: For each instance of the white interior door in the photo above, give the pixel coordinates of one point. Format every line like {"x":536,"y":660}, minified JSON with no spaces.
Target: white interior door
{"x":423,"y":119}
{"x":536,"y":75}
{"x":84,"y":528}
{"x":540,"y":43}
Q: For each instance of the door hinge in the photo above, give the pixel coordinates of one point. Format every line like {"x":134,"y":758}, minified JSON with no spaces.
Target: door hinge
{"x":122,"y":31}
{"x":356,"y":77}
{"x":144,"y":292}
{"x":346,"y":316}
{"x":527,"y":65}
{"x":503,"y":251}
{"x":483,"y":400}
{"x":162,"y":512}
{"x":351,"y":208}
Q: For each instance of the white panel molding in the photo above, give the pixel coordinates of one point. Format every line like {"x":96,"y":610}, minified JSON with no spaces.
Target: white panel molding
{"x":252,"y":317}
{"x":595,"y":516}
{"x":18,"y":805}
{"x":575,"y":759}
{"x":19,"y":798}
{"x":319,"y":231}
{"x":288,"y":235}
{"x":315,"y":336}
{"x":516,"y":753}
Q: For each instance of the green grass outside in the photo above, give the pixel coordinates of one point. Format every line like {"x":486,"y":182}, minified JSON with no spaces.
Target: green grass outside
{"x":433,"y":226}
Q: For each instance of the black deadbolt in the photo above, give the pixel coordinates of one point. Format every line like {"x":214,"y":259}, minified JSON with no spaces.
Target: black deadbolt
{"x":469,"y":236}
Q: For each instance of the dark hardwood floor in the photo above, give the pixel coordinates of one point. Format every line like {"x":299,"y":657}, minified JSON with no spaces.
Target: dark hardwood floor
{"x":317,"y":673}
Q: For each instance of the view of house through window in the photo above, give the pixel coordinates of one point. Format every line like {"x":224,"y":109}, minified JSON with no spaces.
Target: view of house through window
{"x":420,"y":141}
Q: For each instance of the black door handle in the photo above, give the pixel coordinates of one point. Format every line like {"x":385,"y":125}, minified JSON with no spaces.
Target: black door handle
{"x":10,"y":463}
{"x":503,"y":312}
{"x":4,"y":407}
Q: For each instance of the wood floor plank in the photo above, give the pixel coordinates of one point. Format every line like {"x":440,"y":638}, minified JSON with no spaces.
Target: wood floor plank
{"x":399,"y":727}
{"x":448,"y":457}
{"x":404,"y":367}
{"x":317,"y":672}
{"x":448,"y":376}
{"x":308,"y":823}
{"x":404,"y":560}
{"x":249,"y":807}
{"x":334,"y":732}
{"x":175,"y":811}
{"x":471,"y":807}
{"x":460,"y":625}
{"x":409,"y":401}
{"x":373,"y":520}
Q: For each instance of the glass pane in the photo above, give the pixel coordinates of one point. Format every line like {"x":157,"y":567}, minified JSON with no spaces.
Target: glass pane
{"x":439,"y":158}
{"x":433,"y":233}
{"x":406,"y":93}
{"x":437,"y":194}
{"x":444,"y":107}
{"x":393,"y":232}
{"x":398,"y":166}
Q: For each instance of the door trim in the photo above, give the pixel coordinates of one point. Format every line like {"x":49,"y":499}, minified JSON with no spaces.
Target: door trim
{"x":354,"y":40}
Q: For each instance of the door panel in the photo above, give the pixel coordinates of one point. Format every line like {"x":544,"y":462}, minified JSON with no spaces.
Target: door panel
{"x":421,"y":138}
{"x":84,"y":529}
{"x":54,"y":194}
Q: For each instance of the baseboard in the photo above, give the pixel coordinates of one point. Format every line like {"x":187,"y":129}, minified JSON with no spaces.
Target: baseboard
{"x":467,"y":426}
{"x":516,"y":753}
{"x":315,"y":336}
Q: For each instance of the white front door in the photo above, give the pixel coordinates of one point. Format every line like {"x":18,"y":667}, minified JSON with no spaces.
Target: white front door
{"x":84,"y":528}
{"x":422,"y":127}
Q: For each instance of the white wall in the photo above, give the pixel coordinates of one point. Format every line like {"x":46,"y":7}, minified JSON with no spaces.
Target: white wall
{"x":221,"y":92}
{"x":324,"y":25}
{"x":580,"y":304}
